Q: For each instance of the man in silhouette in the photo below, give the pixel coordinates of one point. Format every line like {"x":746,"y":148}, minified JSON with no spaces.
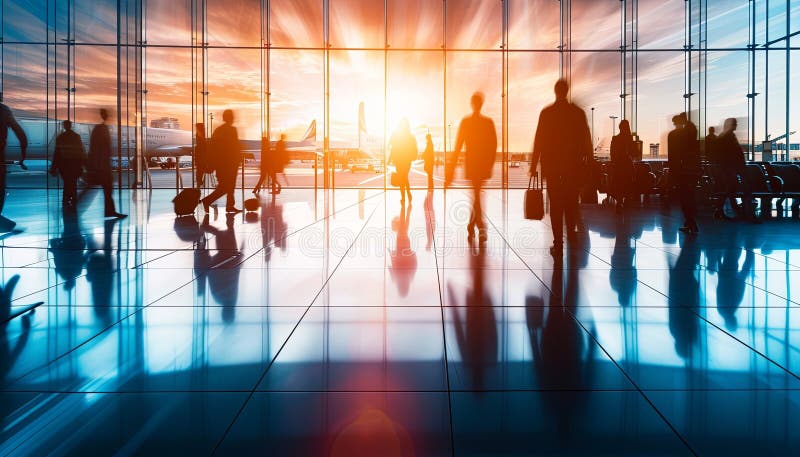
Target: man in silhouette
{"x":690,"y":173}
{"x":711,"y":140}
{"x":563,"y":143}
{"x":674,"y":144}
{"x":684,"y":157}
{"x":226,"y":147}
{"x":7,"y":121}
{"x":99,"y":164}
{"x":477,"y":134}
{"x":733,"y":166}
{"x":68,"y":161}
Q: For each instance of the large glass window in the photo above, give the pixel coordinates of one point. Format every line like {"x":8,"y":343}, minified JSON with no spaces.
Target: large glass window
{"x":418,"y":59}
{"x":467,"y":73}
{"x":296,"y":23}
{"x":531,"y":80}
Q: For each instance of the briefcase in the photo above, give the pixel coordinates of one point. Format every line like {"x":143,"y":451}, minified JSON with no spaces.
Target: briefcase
{"x":534,"y":200}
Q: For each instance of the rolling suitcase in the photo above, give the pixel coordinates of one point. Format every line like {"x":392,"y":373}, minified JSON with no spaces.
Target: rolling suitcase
{"x":251,"y":204}
{"x":186,"y":201}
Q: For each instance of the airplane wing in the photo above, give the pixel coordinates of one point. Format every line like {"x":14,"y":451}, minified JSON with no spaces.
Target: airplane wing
{"x":250,"y":145}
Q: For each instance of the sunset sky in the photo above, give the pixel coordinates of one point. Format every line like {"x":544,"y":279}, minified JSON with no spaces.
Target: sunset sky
{"x":415,"y":81}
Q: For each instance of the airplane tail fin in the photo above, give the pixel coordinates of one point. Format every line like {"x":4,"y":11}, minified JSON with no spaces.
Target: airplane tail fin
{"x":311,"y":132}
{"x":362,"y":123}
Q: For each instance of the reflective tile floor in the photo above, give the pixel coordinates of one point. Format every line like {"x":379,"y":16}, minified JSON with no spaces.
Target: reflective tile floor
{"x":339,"y":324}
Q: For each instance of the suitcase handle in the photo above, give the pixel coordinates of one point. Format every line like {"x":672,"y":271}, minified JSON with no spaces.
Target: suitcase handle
{"x":534,"y":184}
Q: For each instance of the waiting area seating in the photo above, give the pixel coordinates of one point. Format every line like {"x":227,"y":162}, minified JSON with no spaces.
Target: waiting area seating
{"x":773,"y":186}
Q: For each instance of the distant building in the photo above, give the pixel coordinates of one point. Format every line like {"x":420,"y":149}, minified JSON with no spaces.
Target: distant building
{"x":166,"y":123}
{"x":654,"y":149}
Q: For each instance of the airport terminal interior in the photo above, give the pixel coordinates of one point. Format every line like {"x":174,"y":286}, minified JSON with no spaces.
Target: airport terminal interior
{"x":323,"y":312}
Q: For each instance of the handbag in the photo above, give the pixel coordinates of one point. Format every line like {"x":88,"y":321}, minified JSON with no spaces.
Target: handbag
{"x":534,"y":200}
{"x":393,"y":179}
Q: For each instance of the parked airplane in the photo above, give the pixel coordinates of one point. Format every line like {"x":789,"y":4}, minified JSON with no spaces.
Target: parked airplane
{"x":159,"y":142}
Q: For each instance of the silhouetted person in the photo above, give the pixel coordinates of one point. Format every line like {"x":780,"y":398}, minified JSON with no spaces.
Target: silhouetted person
{"x":402,"y":151}
{"x":202,"y":164}
{"x":7,"y":121}
{"x":476,"y":332}
{"x":69,"y":159}
{"x":684,"y":298}
{"x":684,"y":153}
{"x":733,"y":167}
{"x":98,"y":165}
{"x":281,"y":160}
{"x":477,"y":134}
{"x":711,"y":139}
{"x":9,"y":356}
{"x":564,"y":145}
{"x":100,"y":274}
{"x":228,"y":155}
{"x":265,"y":171}
{"x":428,"y":158}
{"x":403,"y":257}
{"x":622,"y":153}
{"x":273,"y":161}
{"x":675,"y":143}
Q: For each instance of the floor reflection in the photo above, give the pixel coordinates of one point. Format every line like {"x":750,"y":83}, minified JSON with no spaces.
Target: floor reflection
{"x":684,"y":299}
{"x":68,"y":250}
{"x":474,"y":322}
{"x":403,"y":258}
{"x":219,"y":272}
{"x":339,"y":323}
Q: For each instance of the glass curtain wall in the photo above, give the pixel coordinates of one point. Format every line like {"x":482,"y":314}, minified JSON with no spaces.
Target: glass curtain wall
{"x":335,"y":78}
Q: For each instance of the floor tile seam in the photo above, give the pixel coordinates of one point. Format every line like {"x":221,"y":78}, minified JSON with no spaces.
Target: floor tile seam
{"x":703,"y":267}
{"x":260,"y":379}
{"x":621,"y":370}
{"x":389,"y":391}
{"x":298,"y":230}
{"x":635,"y":385}
{"x":666,"y":296}
{"x":440,"y":290}
{"x":103,"y":330}
{"x":734,"y":337}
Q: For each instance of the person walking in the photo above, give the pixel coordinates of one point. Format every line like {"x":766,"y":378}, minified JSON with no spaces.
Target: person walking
{"x":622,"y":149}
{"x":563,"y":144}
{"x":201,"y":163}
{"x":733,"y":167}
{"x":478,"y":136}
{"x":687,"y":162}
{"x":428,"y":159}
{"x":402,"y":151}
{"x":69,"y":160}
{"x":98,"y":165}
{"x":7,"y":121}
{"x":266,"y":164}
{"x":227,"y":149}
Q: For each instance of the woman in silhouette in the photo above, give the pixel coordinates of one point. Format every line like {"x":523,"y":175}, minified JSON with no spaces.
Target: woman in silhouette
{"x":622,"y":151}
{"x":403,"y":151}
{"x":428,"y":158}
